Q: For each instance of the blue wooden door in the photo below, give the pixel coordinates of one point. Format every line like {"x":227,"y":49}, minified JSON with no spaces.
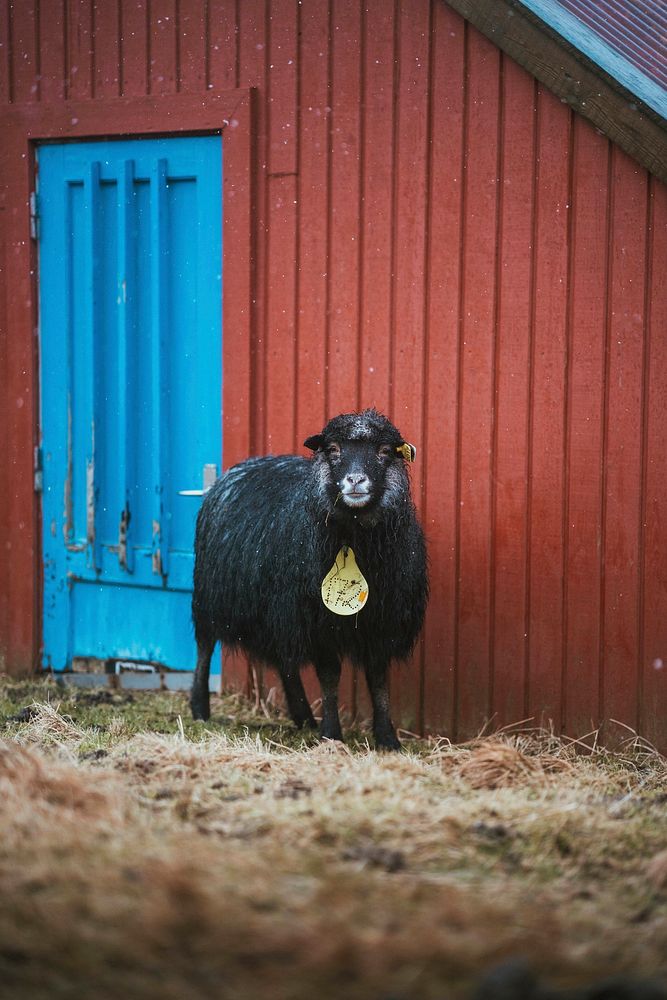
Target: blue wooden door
{"x":130,"y":263}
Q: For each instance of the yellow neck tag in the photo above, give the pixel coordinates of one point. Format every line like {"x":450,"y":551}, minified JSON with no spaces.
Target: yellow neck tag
{"x":344,"y":589}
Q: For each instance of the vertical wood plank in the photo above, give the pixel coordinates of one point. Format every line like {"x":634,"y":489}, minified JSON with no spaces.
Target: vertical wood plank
{"x":126,"y":270}
{"x":282,"y":87}
{"x":106,"y":43}
{"x":193,"y":43}
{"x":56,"y":400}
{"x":407,"y":362}
{"x":477,"y":384}
{"x":5,"y":371}
{"x":53,"y":63}
{"x":281,"y":385}
{"x":6,"y":95}
{"x":653,"y":707}
{"x":587,"y":324}
{"x":19,"y":505}
{"x":512,"y":395}
{"x":252,"y":73}
{"x":313,"y":191}
{"x":253,"y":41}
{"x":377,"y":180}
{"x":441,"y":418}
{"x":244,"y":437}
{"x":623,"y":436}
{"x":158,"y":339}
{"x":343,"y":292}
{"x":80,"y":49}
{"x":237,"y":306}
{"x":549,"y":357}
{"x":25,"y":70}
{"x":163,"y":47}
{"x":89,"y":410}
{"x":223,"y":35}
{"x":282,"y":229}
{"x":134,"y":48}
{"x":237,"y":318}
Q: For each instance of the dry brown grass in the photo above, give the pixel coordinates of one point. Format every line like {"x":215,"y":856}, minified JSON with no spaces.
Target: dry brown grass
{"x":144,"y":865}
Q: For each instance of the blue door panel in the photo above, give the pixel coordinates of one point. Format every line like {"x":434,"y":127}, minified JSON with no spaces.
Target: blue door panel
{"x":135,"y":636}
{"x":130,"y":334}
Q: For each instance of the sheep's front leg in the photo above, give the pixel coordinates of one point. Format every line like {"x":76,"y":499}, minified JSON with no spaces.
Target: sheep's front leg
{"x":297,"y":703}
{"x":199,"y":694}
{"x":383,"y":727}
{"x":327,"y":667}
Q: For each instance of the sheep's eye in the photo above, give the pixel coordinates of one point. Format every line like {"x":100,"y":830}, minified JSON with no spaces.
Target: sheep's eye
{"x":384,"y":451}
{"x":333,"y":450}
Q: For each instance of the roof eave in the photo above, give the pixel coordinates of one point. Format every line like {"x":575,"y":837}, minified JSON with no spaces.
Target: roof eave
{"x":573,"y":77}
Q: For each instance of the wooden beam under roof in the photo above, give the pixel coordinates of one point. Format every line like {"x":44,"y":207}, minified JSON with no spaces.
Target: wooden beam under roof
{"x":573,"y":77}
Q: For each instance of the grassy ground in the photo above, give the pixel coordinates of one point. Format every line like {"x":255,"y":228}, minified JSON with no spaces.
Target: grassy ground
{"x":143,"y":855}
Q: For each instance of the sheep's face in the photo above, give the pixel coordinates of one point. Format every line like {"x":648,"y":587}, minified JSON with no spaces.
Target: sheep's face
{"x":356,"y":471}
{"x":360,"y":460}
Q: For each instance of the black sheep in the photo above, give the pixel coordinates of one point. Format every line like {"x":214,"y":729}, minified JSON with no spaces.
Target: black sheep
{"x":276,"y":535}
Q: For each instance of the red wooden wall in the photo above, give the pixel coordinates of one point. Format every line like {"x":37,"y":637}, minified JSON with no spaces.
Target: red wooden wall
{"x":437,"y":236}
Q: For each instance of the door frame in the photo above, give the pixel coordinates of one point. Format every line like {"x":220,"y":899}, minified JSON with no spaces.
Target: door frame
{"x":25,"y":126}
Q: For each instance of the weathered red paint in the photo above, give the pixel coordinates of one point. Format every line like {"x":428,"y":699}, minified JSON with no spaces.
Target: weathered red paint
{"x":586,"y":349}
{"x":410,"y":222}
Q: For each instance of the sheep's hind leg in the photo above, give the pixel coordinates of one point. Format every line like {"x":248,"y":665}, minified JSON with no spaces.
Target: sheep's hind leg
{"x":383,"y":727}
{"x":200,"y":701}
{"x":297,"y":703}
{"x":328,"y":674}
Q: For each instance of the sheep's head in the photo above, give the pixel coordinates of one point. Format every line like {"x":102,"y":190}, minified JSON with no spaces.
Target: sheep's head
{"x":361,"y":460}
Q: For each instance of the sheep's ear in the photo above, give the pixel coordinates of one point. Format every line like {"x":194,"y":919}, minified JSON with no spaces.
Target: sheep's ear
{"x":408,"y":451}
{"x":314,"y":443}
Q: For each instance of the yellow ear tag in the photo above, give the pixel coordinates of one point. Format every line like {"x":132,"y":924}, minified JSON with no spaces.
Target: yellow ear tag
{"x":344,"y":589}
{"x":408,"y":451}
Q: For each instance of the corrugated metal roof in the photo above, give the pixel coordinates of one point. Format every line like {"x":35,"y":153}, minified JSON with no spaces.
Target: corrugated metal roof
{"x":637,"y":29}
{"x":626,"y":38}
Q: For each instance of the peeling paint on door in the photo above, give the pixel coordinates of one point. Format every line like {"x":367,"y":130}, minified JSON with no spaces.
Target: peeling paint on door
{"x":156,"y":555}
{"x":122,"y":538}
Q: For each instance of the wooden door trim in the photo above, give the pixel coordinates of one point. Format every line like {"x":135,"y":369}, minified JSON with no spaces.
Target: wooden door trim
{"x":24,"y":126}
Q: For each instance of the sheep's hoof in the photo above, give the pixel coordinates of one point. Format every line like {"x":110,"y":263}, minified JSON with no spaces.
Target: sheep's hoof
{"x":200,"y":713}
{"x":388,"y":741}
{"x":331,"y":733}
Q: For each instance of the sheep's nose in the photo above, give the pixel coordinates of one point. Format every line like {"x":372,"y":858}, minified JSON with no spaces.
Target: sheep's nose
{"x":355,"y":479}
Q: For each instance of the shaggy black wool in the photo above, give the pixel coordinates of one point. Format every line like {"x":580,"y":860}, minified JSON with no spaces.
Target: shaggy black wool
{"x":267,"y":534}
